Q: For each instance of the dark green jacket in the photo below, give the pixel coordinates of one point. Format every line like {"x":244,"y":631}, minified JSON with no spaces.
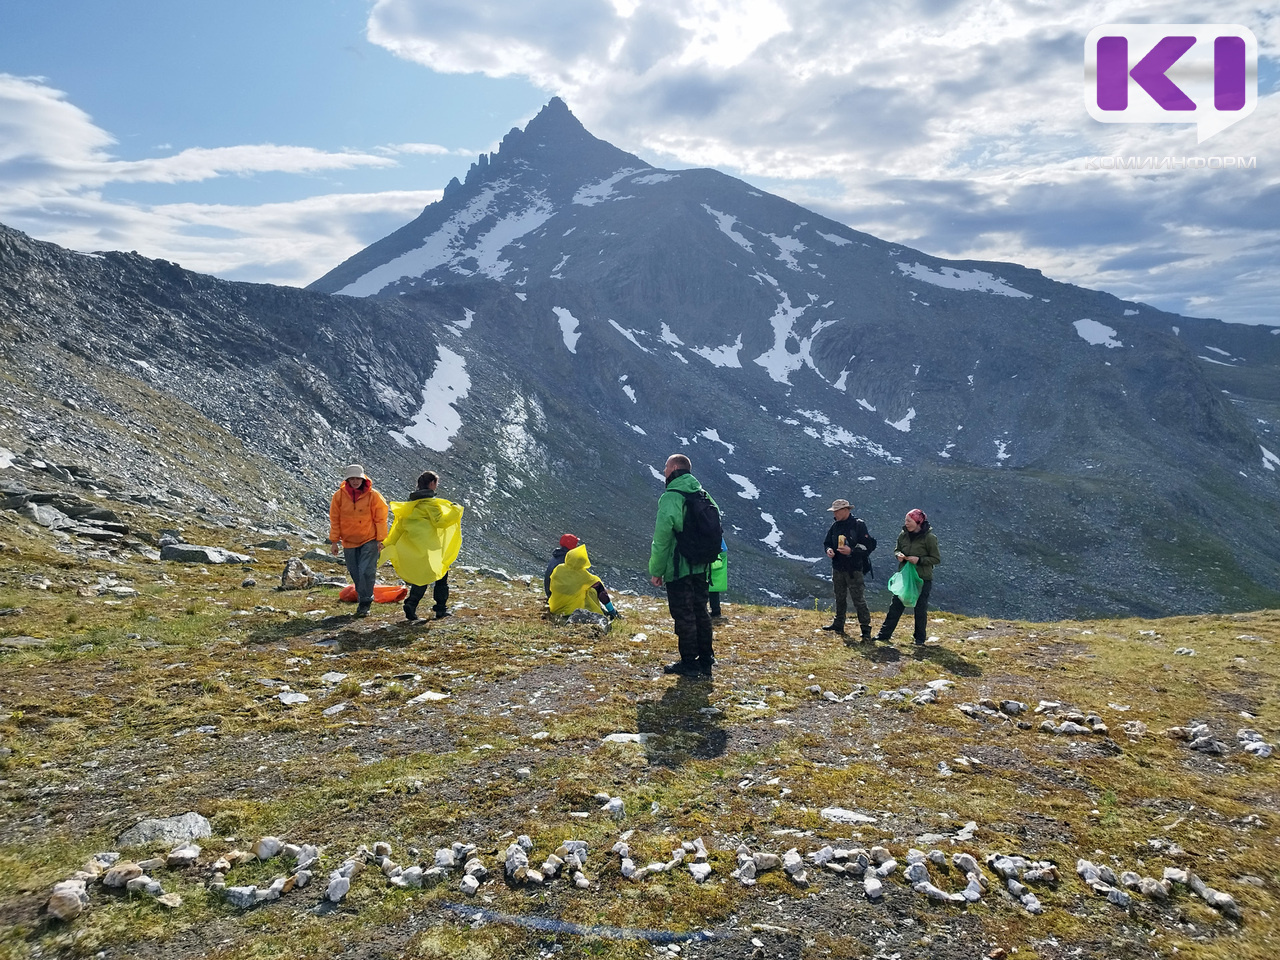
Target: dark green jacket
{"x":663,"y":561}
{"x":922,"y":544}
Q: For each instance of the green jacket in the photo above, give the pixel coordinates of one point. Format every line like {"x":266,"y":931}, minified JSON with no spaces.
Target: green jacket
{"x":663,"y":561}
{"x":922,"y":544}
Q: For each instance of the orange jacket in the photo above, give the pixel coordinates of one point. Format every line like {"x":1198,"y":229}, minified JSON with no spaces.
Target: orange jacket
{"x":356,"y":522}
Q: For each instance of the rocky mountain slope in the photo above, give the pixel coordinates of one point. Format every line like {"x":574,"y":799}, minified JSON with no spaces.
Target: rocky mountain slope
{"x":556,"y":325}
{"x":1076,"y":452}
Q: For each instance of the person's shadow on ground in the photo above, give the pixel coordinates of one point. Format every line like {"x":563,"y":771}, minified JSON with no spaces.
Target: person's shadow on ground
{"x":682,"y":725}
{"x":945,"y":658}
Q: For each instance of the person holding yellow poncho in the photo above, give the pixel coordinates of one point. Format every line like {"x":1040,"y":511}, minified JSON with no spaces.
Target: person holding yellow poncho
{"x":575,"y":587}
{"x":423,"y":543}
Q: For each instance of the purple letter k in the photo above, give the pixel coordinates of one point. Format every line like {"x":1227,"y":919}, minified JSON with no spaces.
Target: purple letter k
{"x":1150,"y":73}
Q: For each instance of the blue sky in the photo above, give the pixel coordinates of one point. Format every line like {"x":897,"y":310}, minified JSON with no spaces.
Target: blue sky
{"x":269,"y":141}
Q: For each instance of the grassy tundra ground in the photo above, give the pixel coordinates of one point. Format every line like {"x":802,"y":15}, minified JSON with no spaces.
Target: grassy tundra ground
{"x":169,"y":701}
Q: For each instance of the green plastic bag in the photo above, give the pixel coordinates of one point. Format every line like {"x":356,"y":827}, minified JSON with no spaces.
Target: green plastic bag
{"x":905,"y":585}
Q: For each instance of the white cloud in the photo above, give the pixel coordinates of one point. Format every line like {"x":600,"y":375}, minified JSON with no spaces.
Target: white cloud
{"x":958,"y":128}
{"x":54,"y":162}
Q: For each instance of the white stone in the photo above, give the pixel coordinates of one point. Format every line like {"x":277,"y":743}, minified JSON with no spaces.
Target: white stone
{"x":267,"y":847}
{"x":121,"y":874}
{"x":338,"y":888}
{"x":701,"y":871}
{"x":469,"y":885}
{"x":68,"y":900}
{"x":183,"y":856}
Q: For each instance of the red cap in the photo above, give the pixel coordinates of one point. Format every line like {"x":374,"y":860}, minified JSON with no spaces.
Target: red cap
{"x":568,"y":541}
{"x":917,"y":515}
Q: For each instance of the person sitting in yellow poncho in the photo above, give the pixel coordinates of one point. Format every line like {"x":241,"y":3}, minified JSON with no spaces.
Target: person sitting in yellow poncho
{"x":423,"y":543}
{"x":575,"y":587}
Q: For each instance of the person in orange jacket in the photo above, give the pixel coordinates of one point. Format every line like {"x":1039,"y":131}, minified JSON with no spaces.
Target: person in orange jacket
{"x":358,"y":524}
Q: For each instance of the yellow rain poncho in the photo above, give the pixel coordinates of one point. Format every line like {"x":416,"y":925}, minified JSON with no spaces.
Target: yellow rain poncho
{"x":572,"y":583}
{"x":424,"y":540}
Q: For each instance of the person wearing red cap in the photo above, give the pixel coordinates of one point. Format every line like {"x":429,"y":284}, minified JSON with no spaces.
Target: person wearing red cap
{"x":918,"y":545}
{"x":567,"y":542}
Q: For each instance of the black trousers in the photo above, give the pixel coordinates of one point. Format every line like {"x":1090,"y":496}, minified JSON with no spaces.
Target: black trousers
{"x":847,"y":584}
{"x":440,"y":595}
{"x":922,"y":615}
{"x":687,"y":601}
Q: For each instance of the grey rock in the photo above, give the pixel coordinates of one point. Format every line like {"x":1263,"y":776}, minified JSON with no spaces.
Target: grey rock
{"x":168,"y":831}
{"x":242,"y":897}
{"x":196,"y":553}
{"x":338,"y":888}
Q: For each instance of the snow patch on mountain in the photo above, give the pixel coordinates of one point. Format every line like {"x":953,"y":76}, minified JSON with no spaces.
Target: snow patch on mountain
{"x":589,"y":194}
{"x":726,"y":222}
{"x":847,"y":442}
{"x":778,"y":361}
{"x":714,"y":437}
{"x":905,"y":423}
{"x":448,"y":244}
{"x":834,"y":238}
{"x":808,"y":492}
{"x":749,"y":490}
{"x":515,"y":440}
{"x":568,"y":328}
{"x":668,"y":336}
{"x":655,"y":178}
{"x":788,"y":247}
{"x":629,"y":334}
{"x":1098,"y":334}
{"x":726,"y":356}
{"x":954,"y":279}
{"x":774,"y":539}
{"x":1269,"y":459}
{"x":438,"y":422}
{"x":865,"y":405}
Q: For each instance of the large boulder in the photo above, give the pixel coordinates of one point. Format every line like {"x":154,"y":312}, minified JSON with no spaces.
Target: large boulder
{"x":167,"y":832}
{"x":195,"y":553}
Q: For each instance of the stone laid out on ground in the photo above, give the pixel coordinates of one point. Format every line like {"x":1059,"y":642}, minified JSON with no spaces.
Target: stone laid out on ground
{"x":1200,"y":738}
{"x":68,"y":900}
{"x":1251,"y":742}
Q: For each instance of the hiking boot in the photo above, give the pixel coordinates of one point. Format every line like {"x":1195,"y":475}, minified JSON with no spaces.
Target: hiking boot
{"x":441,"y":614}
{"x":411,"y":612}
{"x":919,"y":641}
{"x":681,"y":668}
{"x":703,"y":667}
{"x":866,"y":634}
{"x":835,"y":628}
{"x":362,"y":610}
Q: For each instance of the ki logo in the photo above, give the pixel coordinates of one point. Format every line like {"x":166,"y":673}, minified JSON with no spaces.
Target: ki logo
{"x":1201,"y":73}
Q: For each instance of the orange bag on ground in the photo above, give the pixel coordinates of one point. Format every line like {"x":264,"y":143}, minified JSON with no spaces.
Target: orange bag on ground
{"x":382,"y":593}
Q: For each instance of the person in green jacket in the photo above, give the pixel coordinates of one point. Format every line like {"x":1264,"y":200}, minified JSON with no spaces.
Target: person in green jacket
{"x":917,"y":545}
{"x":686,"y":582}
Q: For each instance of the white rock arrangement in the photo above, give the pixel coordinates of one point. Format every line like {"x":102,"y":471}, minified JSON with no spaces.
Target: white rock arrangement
{"x":70,"y":898}
{"x":569,"y":859}
{"x":698,"y":868}
{"x":304,"y":857}
{"x":1018,"y":871}
{"x":1103,"y":881}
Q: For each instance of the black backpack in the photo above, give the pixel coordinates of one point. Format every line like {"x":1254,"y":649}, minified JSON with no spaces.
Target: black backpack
{"x":700,"y":539}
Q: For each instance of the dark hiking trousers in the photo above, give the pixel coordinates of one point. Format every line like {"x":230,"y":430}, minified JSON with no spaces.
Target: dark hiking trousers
{"x":440,"y":595}
{"x":850,"y":584}
{"x":922,"y":615}
{"x":687,"y":601}
{"x":362,"y":564}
